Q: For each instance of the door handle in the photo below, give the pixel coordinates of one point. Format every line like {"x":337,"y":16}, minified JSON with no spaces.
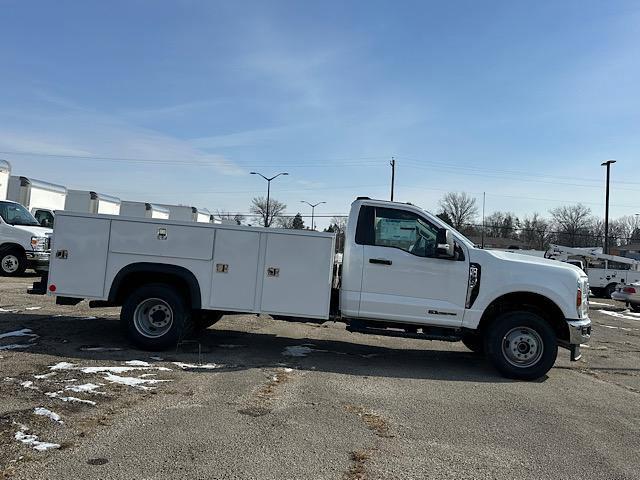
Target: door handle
{"x":380,"y":261}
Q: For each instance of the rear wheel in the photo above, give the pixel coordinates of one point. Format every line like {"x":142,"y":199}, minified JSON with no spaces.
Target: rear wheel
{"x":521,"y":345}
{"x":156,"y":317}
{"x":475,"y":343}
{"x":609,"y":289}
{"x":13,"y":262}
{"x":635,"y":307}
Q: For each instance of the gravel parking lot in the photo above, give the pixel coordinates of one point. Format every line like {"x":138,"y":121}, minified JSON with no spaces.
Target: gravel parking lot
{"x":253,"y":397}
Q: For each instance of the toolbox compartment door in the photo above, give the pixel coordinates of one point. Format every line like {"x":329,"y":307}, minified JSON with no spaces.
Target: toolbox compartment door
{"x":79,"y":256}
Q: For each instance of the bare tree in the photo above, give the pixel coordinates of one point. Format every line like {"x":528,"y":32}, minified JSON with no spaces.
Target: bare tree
{"x":259,"y":209}
{"x":224,"y":215}
{"x":629,"y":229}
{"x":502,"y":225}
{"x":536,"y":232}
{"x":460,"y":208}
{"x":573,"y":224}
{"x":338,"y":225}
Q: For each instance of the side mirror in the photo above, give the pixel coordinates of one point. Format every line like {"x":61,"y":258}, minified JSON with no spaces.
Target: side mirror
{"x":445,"y":247}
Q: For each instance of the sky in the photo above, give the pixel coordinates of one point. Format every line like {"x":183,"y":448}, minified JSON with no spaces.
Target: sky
{"x":176,"y":102}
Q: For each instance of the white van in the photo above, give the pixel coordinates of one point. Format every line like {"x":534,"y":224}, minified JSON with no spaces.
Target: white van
{"x":40,"y":198}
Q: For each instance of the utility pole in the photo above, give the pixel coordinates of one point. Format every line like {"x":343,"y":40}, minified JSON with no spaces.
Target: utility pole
{"x":606,"y":207}
{"x":313,"y":207}
{"x":484,"y":196}
{"x":266,"y":220}
{"x":393,"y":174}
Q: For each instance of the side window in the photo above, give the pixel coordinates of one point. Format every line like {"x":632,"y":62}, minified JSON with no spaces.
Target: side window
{"x":44,"y":218}
{"x":404,"y":230}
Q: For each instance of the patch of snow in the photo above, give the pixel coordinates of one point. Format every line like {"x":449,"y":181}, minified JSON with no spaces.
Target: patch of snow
{"x":132,"y":381}
{"x":62,"y":366}
{"x":45,"y":375}
{"x":59,"y":396}
{"x":145,"y":375}
{"x":297,"y":351}
{"x":288,"y":370}
{"x":25,"y":332}
{"x":11,"y":310}
{"x":203,"y":366}
{"x":618,"y":315}
{"x":32,"y":440}
{"x":32,"y":308}
{"x":85,"y":388}
{"x":47,"y":413}
{"x":138,"y":363}
{"x":29,"y":384}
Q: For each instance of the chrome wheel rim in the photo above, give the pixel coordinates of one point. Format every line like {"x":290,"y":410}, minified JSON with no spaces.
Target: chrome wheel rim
{"x":10,"y":263}
{"x":522,"y":347}
{"x":153,"y":317}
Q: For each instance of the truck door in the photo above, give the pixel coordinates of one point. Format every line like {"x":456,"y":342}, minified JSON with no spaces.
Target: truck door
{"x":402,"y":278}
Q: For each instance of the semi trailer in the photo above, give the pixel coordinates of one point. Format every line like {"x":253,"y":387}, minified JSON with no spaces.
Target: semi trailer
{"x":404,"y":273}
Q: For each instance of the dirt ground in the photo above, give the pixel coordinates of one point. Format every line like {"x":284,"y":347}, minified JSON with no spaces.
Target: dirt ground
{"x":253,"y":397}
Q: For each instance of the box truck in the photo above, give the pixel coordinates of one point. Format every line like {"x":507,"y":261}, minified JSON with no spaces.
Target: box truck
{"x":143,"y":210}
{"x":40,"y":198}
{"x":5,"y":173}
{"x":187,"y":213}
{"x":87,"y":201}
{"x":404,"y":273}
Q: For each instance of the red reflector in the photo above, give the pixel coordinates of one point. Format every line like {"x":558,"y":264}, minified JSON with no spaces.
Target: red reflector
{"x":52,"y":288}
{"x":629,"y":290}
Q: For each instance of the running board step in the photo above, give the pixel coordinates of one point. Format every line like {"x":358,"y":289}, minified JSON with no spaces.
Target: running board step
{"x":450,"y":336}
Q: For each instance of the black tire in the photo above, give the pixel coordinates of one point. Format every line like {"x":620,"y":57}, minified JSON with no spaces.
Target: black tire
{"x":13,"y":262}
{"x":635,"y":307}
{"x":203,"y":319}
{"x":473,"y":342}
{"x":532,"y":333}
{"x":171,"y":309}
{"x":608,"y":290}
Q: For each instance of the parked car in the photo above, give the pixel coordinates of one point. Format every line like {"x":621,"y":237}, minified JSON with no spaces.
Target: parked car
{"x":405,"y":273}
{"x":629,"y":294}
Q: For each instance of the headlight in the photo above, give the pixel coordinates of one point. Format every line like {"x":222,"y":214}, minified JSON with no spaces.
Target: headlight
{"x":39,"y":244}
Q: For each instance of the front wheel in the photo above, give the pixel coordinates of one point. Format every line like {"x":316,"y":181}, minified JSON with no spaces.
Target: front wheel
{"x":156,"y":317}
{"x":521,"y":345}
{"x":13,"y":262}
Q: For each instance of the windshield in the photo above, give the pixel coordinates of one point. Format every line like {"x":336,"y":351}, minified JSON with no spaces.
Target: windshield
{"x":16,"y":214}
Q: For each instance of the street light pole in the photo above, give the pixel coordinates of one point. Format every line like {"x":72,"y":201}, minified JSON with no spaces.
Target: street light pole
{"x":313,"y":208}
{"x":606,"y":207}
{"x":266,"y":220}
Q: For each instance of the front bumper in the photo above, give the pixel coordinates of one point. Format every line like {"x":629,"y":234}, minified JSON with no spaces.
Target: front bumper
{"x":579,"y":333}
{"x":38,"y":260}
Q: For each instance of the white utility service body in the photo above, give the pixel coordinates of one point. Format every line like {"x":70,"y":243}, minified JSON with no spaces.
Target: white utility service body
{"x":403,"y":273}
{"x":143,"y":210}
{"x":605,"y":271}
{"x":87,"y":201}
{"x":42,"y":199}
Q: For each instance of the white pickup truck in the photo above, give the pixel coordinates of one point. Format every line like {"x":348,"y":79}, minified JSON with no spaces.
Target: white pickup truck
{"x":404,"y":273}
